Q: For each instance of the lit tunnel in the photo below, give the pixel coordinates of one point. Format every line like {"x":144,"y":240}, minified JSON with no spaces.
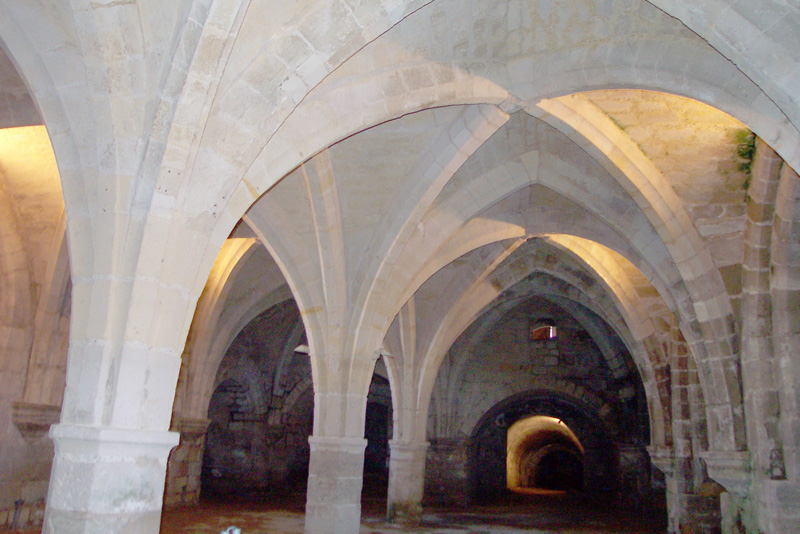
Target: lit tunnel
{"x":539,"y":442}
{"x":542,"y":453}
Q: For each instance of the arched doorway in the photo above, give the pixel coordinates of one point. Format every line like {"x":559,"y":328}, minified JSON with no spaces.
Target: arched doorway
{"x":580,"y":457}
{"x":543,"y":453}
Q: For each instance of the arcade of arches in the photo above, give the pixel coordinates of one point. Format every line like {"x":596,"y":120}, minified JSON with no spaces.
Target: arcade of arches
{"x":466,"y":247}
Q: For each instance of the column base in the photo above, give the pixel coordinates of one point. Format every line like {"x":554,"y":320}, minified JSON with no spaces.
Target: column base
{"x":106,"y":480}
{"x":406,"y":481}
{"x":335,"y":479}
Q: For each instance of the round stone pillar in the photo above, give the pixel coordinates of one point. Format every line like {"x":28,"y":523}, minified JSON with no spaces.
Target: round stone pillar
{"x":406,"y":480}
{"x":107,"y":480}
{"x":335,"y":478}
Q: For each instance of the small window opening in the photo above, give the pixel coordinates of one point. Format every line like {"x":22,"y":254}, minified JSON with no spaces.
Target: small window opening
{"x":543,"y":332}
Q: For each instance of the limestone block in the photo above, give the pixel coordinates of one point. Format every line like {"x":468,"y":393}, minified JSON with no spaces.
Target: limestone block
{"x":104,"y":479}
{"x":334,"y":485}
{"x":406,"y":480}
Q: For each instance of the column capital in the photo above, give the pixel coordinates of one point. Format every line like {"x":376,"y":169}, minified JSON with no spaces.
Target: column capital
{"x":663,"y":458}
{"x":339,"y":444}
{"x":729,"y":468}
{"x":34,"y":420}
{"x":408,"y":446}
{"x":77,"y":439}
{"x":190,"y":426}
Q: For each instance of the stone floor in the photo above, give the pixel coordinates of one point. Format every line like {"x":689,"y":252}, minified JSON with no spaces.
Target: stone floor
{"x":537,"y":514}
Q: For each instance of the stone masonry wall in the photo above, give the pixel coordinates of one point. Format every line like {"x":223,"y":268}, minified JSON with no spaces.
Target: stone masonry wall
{"x":446,"y":472}
{"x":504,"y":361}
{"x":185,"y":464}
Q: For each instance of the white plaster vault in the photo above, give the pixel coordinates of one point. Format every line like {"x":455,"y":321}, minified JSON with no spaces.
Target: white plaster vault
{"x":407,"y":172}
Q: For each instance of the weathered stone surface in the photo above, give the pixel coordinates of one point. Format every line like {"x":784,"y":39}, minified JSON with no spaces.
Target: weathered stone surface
{"x":407,"y":174}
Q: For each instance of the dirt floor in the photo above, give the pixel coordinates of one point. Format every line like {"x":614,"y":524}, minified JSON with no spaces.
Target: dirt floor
{"x":535,"y":513}
{"x":539,"y":513}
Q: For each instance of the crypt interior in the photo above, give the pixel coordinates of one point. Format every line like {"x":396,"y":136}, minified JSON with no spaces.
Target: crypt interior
{"x":455,"y":252}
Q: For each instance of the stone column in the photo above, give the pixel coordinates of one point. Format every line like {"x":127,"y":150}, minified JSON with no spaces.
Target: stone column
{"x":664,"y":460}
{"x":687,"y":510}
{"x":762,"y":373}
{"x":731,"y":469}
{"x":694,"y":507}
{"x":406,"y":480}
{"x":692,"y":499}
{"x":106,"y":480}
{"x":335,"y":478}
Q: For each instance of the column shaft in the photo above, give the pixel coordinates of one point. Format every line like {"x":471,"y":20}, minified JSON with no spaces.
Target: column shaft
{"x":335,"y":478}
{"x":406,"y":480}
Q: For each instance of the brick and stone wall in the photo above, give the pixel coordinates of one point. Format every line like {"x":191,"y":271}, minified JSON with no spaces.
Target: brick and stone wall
{"x":260,"y":417}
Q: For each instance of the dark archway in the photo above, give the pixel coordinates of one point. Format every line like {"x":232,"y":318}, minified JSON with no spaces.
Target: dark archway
{"x":377,"y":431}
{"x":376,"y":455}
{"x":553,"y":467}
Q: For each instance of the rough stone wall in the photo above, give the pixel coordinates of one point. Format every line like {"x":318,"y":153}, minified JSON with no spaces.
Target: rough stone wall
{"x":260,"y":417}
{"x":502,"y":361}
{"x":639,"y":484}
{"x":256,"y":439}
{"x":246,"y":449}
{"x":446,"y":472}
{"x":505,"y":361}
{"x":185,"y":464}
